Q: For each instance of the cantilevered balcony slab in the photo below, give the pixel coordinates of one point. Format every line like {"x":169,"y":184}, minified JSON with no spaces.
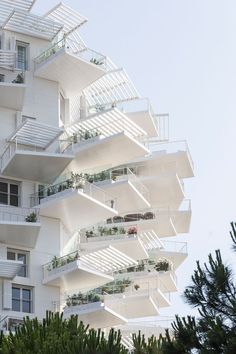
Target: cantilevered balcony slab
{"x":176,"y":252}
{"x":141,"y":303}
{"x":43,"y":166}
{"x":97,"y":315}
{"x":165,"y":189}
{"x":130,"y":246}
{"x":71,"y":71}
{"x":12,"y":95}
{"x":128,"y":196}
{"x":9,"y":269}
{"x":181,"y":220}
{"x":145,"y":120}
{"x":93,"y":154}
{"x":75,"y":208}
{"x":75,"y":275}
{"x":15,"y":230}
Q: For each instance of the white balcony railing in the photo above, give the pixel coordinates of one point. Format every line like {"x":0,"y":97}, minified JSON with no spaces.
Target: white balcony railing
{"x":77,"y":183}
{"x":7,"y":59}
{"x":75,"y":48}
{"x":18,"y":214}
{"x":13,"y":147}
{"x":175,"y":246}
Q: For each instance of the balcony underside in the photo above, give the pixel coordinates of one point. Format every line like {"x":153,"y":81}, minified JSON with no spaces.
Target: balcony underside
{"x":176,"y":257}
{"x":128,"y":197}
{"x":181,"y":220}
{"x":145,"y":121}
{"x":96,"y":315}
{"x":131,"y":247}
{"x":12,"y":95}
{"x":36,"y":166}
{"x":134,"y":306}
{"x":23,"y":234}
{"x":179,"y":162}
{"x":9,"y":269}
{"x":164,"y":189}
{"x":73,"y":73}
{"x":75,"y":209}
{"x":99,"y":154}
{"x":75,"y":275}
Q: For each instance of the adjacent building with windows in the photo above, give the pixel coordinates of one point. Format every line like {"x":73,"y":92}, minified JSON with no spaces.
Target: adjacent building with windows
{"x":91,"y":187}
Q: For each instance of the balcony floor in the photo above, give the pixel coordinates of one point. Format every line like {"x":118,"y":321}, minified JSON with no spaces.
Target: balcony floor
{"x":73,"y":73}
{"x":128,"y":197}
{"x":23,"y":234}
{"x":12,"y":95}
{"x":44,"y":167}
{"x":92,"y":154}
{"x":75,"y":275}
{"x":75,"y":209}
{"x":96,"y":315}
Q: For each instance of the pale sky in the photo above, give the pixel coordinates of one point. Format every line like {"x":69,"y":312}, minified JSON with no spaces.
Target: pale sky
{"x":182,"y":55}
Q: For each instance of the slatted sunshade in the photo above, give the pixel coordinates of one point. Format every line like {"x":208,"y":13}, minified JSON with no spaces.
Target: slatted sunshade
{"x":7,"y":6}
{"x":70,"y":18}
{"x":107,"y":123}
{"x":113,"y":87}
{"x":36,"y":134}
{"x":33,"y":25}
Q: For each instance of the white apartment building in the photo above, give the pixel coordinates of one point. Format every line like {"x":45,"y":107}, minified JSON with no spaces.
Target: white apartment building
{"x":91,"y":187}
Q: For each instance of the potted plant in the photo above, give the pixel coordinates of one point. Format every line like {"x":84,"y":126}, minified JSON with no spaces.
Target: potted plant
{"x":132,"y":230}
{"x":136,"y":286}
{"x":162,"y":266}
{"x":32,"y":217}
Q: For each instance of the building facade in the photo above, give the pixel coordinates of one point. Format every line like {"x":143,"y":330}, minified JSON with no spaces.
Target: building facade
{"x":91,"y":187}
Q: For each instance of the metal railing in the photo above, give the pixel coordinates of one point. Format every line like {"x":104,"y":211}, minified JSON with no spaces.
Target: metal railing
{"x":18,"y":214}
{"x":14,"y":146}
{"x":7,"y":59}
{"x":170,"y":147}
{"x":57,"y":262}
{"x":77,"y":183}
{"x":175,"y":246}
{"x":77,"y":49}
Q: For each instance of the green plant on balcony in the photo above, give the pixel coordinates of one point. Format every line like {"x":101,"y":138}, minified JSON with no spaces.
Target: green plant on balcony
{"x":19,"y":79}
{"x":132,"y":230}
{"x":115,"y":287}
{"x":58,"y":262}
{"x":136,"y":286}
{"x":32,"y":217}
{"x":162,"y":266}
{"x":82,"y":299}
{"x":96,"y":61}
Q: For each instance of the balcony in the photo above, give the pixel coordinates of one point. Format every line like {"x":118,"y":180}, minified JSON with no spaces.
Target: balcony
{"x":19,"y":226}
{"x":151,"y":274}
{"x":72,"y":65}
{"x":7,"y":59}
{"x":164,"y":221}
{"x":12,"y":93}
{"x":70,"y":272}
{"x":171,"y":157}
{"x":76,"y":202}
{"x":34,"y":153}
{"x":141,"y":113}
{"x":107,"y":130}
{"x":125,"y":186}
{"x":9,"y":269}
{"x":173,"y":251}
{"x":97,"y":315}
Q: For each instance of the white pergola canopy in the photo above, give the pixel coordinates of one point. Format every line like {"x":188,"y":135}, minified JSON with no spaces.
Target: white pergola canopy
{"x":107,"y":123}
{"x":7,"y":6}
{"x":113,"y":87}
{"x":35,"y":134}
{"x":70,"y":18}
{"x":33,"y":25}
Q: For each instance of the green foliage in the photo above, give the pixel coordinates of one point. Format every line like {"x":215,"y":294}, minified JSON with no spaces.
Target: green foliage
{"x":32,"y":217}
{"x":56,"y":335}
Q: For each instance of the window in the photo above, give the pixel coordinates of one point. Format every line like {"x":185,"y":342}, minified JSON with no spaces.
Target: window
{"x":22,"y":56}
{"x":9,"y":193}
{"x":18,"y":255}
{"x":22,"y":299}
{"x":2,"y":78}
